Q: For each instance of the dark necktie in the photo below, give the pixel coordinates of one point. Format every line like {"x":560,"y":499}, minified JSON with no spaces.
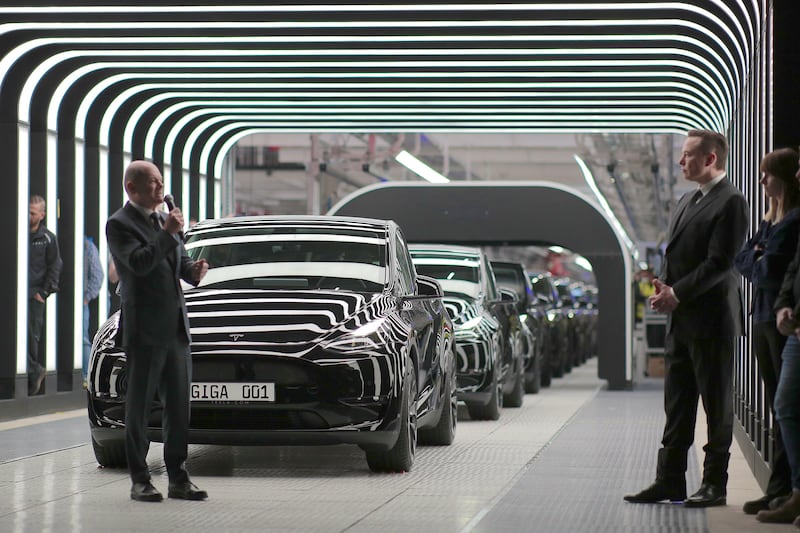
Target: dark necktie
{"x":689,"y":207}
{"x":156,"y":221}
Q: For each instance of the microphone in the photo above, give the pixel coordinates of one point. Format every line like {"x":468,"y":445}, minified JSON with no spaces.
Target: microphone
{"x":170,"y":201}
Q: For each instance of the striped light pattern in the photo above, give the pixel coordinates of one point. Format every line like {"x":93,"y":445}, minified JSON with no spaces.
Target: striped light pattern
{"x":180,"y":84}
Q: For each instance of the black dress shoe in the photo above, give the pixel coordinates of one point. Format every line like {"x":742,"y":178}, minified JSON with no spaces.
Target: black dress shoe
{"x":145,"y":492}
{"x":186,"y":491}
{"x":658,"y":492}
{"x":754,"y":506}
{"x":708,"y":495}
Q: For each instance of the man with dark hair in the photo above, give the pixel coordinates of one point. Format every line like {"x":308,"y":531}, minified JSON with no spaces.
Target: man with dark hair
{"x":150,"y":260}
{"x":699,"y":290}
{"x":44,"y":270}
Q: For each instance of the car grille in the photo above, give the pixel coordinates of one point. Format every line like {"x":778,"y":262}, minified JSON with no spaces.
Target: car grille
{"x":255,"y":419}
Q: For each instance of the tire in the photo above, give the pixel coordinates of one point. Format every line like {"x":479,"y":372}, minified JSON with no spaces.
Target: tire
{"x":517,"y":394}
{"x":110,"y":454}
{"x":547,"y":379}
{"x":533,"y":379}
{"x":400,"y":457}
{"x":490,"y":410}
{"x":444,"y":432}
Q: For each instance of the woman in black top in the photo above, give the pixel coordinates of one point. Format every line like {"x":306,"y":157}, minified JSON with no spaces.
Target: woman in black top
{"x":764,"y":260}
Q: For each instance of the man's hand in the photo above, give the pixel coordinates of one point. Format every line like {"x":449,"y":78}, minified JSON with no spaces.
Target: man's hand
{"x":38,"y":298}
{"x":785,"y":321}
{"x":662,"y":301}
{"x":199,"y":269}
{"x":174,"y":222}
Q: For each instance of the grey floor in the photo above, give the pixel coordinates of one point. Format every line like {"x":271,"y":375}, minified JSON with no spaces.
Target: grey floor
{"x":560,"y":463}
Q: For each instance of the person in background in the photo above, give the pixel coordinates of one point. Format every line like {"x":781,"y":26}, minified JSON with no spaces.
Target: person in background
{"x":44,"y":271}
{"x":644,"y":290}
{"x":699,"y":291}
{"x":92,"y":281}
{"x":763,"y":261}
{"x":787,"y":397}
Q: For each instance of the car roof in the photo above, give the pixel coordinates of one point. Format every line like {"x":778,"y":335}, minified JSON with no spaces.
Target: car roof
{"x":449,"y":249}
{"x":268,"y":220}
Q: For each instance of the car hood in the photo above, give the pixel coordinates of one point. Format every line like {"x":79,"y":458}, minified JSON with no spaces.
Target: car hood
{"x":287,"y":322}
{"x":461,"y":310}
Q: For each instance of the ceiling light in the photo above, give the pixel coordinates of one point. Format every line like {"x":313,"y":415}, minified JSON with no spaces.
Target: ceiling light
{"x":419,"y":168}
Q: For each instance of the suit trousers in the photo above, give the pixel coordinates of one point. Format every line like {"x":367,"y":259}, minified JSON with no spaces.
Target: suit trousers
{"x":164,"y":369}
{"x":768,"y":345}
{"x":697,"y":368}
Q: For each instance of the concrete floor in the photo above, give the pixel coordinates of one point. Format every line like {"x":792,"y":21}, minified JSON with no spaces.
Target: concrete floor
{"x":519,"y":473}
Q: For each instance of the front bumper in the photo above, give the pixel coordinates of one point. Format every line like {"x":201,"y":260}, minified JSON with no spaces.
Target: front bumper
{"x":314,"y":404}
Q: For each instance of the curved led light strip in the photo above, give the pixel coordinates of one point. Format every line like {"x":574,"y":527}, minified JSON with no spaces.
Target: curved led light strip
{"x":11,"y":57}
{"x":717,"y":87}
{"x":714,"y":20}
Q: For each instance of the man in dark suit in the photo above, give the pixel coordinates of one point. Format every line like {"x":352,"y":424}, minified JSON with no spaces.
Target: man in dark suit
{"x":150,"y":261}
{"x":699,"y":290}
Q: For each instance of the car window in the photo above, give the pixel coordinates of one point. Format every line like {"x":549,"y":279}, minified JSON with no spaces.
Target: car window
{"x":458,"y":275}
{"x":405,"y":268}
{"x":291,"y":259}
{"x":491,"y":285}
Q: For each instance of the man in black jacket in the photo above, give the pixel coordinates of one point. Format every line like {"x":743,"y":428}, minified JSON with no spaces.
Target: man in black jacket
{"x":150,"y":261}
{"x":44,"y":270}
{"x":699,"y":291}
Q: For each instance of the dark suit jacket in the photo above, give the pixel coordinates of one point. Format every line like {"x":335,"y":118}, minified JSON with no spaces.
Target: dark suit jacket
{"x":150,"y":264}
{"x":698,"y":263}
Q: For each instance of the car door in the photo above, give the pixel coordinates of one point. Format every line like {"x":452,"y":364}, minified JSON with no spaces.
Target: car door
{"x":420,"y":316}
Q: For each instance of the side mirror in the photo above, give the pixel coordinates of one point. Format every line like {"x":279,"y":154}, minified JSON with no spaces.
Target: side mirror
{"x":428,"y":286}
{"x":508,"y":296}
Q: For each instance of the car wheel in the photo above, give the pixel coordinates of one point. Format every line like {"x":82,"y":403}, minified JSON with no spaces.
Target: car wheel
{"x":400,"y":457}
{"x":547,"y":379}
{"x":110,"y":454}
{"x":490,"y":410}
{"x":444,"y":432}
{"x":517,"y":394}
{"x":533,"y":379}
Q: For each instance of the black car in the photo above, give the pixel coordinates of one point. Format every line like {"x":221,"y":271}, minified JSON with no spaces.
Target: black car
{"x":491,"y":360}
{"x":306,"y":330}
{"x":556,"y":346}
{"x":512,"y":276}
{"x":574,"y":320}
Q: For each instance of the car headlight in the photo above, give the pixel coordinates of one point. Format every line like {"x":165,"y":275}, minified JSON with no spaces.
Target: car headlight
{"x":551,"y":315}
{"x":363,"y":338}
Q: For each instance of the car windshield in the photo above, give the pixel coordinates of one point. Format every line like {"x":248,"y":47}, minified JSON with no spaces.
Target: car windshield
{"x":510,"y":278}
{"x":458,"y":277}
{"x":293,"y":257}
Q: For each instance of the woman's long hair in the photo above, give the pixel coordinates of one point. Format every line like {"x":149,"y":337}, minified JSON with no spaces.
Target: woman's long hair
{"x":782,"y":164}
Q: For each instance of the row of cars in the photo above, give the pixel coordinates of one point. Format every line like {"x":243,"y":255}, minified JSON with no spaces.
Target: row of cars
{"x":326,"y":330}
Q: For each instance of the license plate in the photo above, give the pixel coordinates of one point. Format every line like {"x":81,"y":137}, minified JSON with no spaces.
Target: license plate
{"x":232,"y":392}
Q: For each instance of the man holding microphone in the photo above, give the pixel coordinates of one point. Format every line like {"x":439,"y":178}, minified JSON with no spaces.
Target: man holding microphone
{"x":150,"y":259}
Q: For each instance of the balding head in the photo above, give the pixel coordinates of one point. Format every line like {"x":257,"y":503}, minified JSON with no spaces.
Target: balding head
{"x":144,"y":184}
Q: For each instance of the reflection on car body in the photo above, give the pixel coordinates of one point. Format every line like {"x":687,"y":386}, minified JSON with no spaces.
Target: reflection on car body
{"x":487,"y":330}
{"x":512,"y":276}
{"x":310,"y":330}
